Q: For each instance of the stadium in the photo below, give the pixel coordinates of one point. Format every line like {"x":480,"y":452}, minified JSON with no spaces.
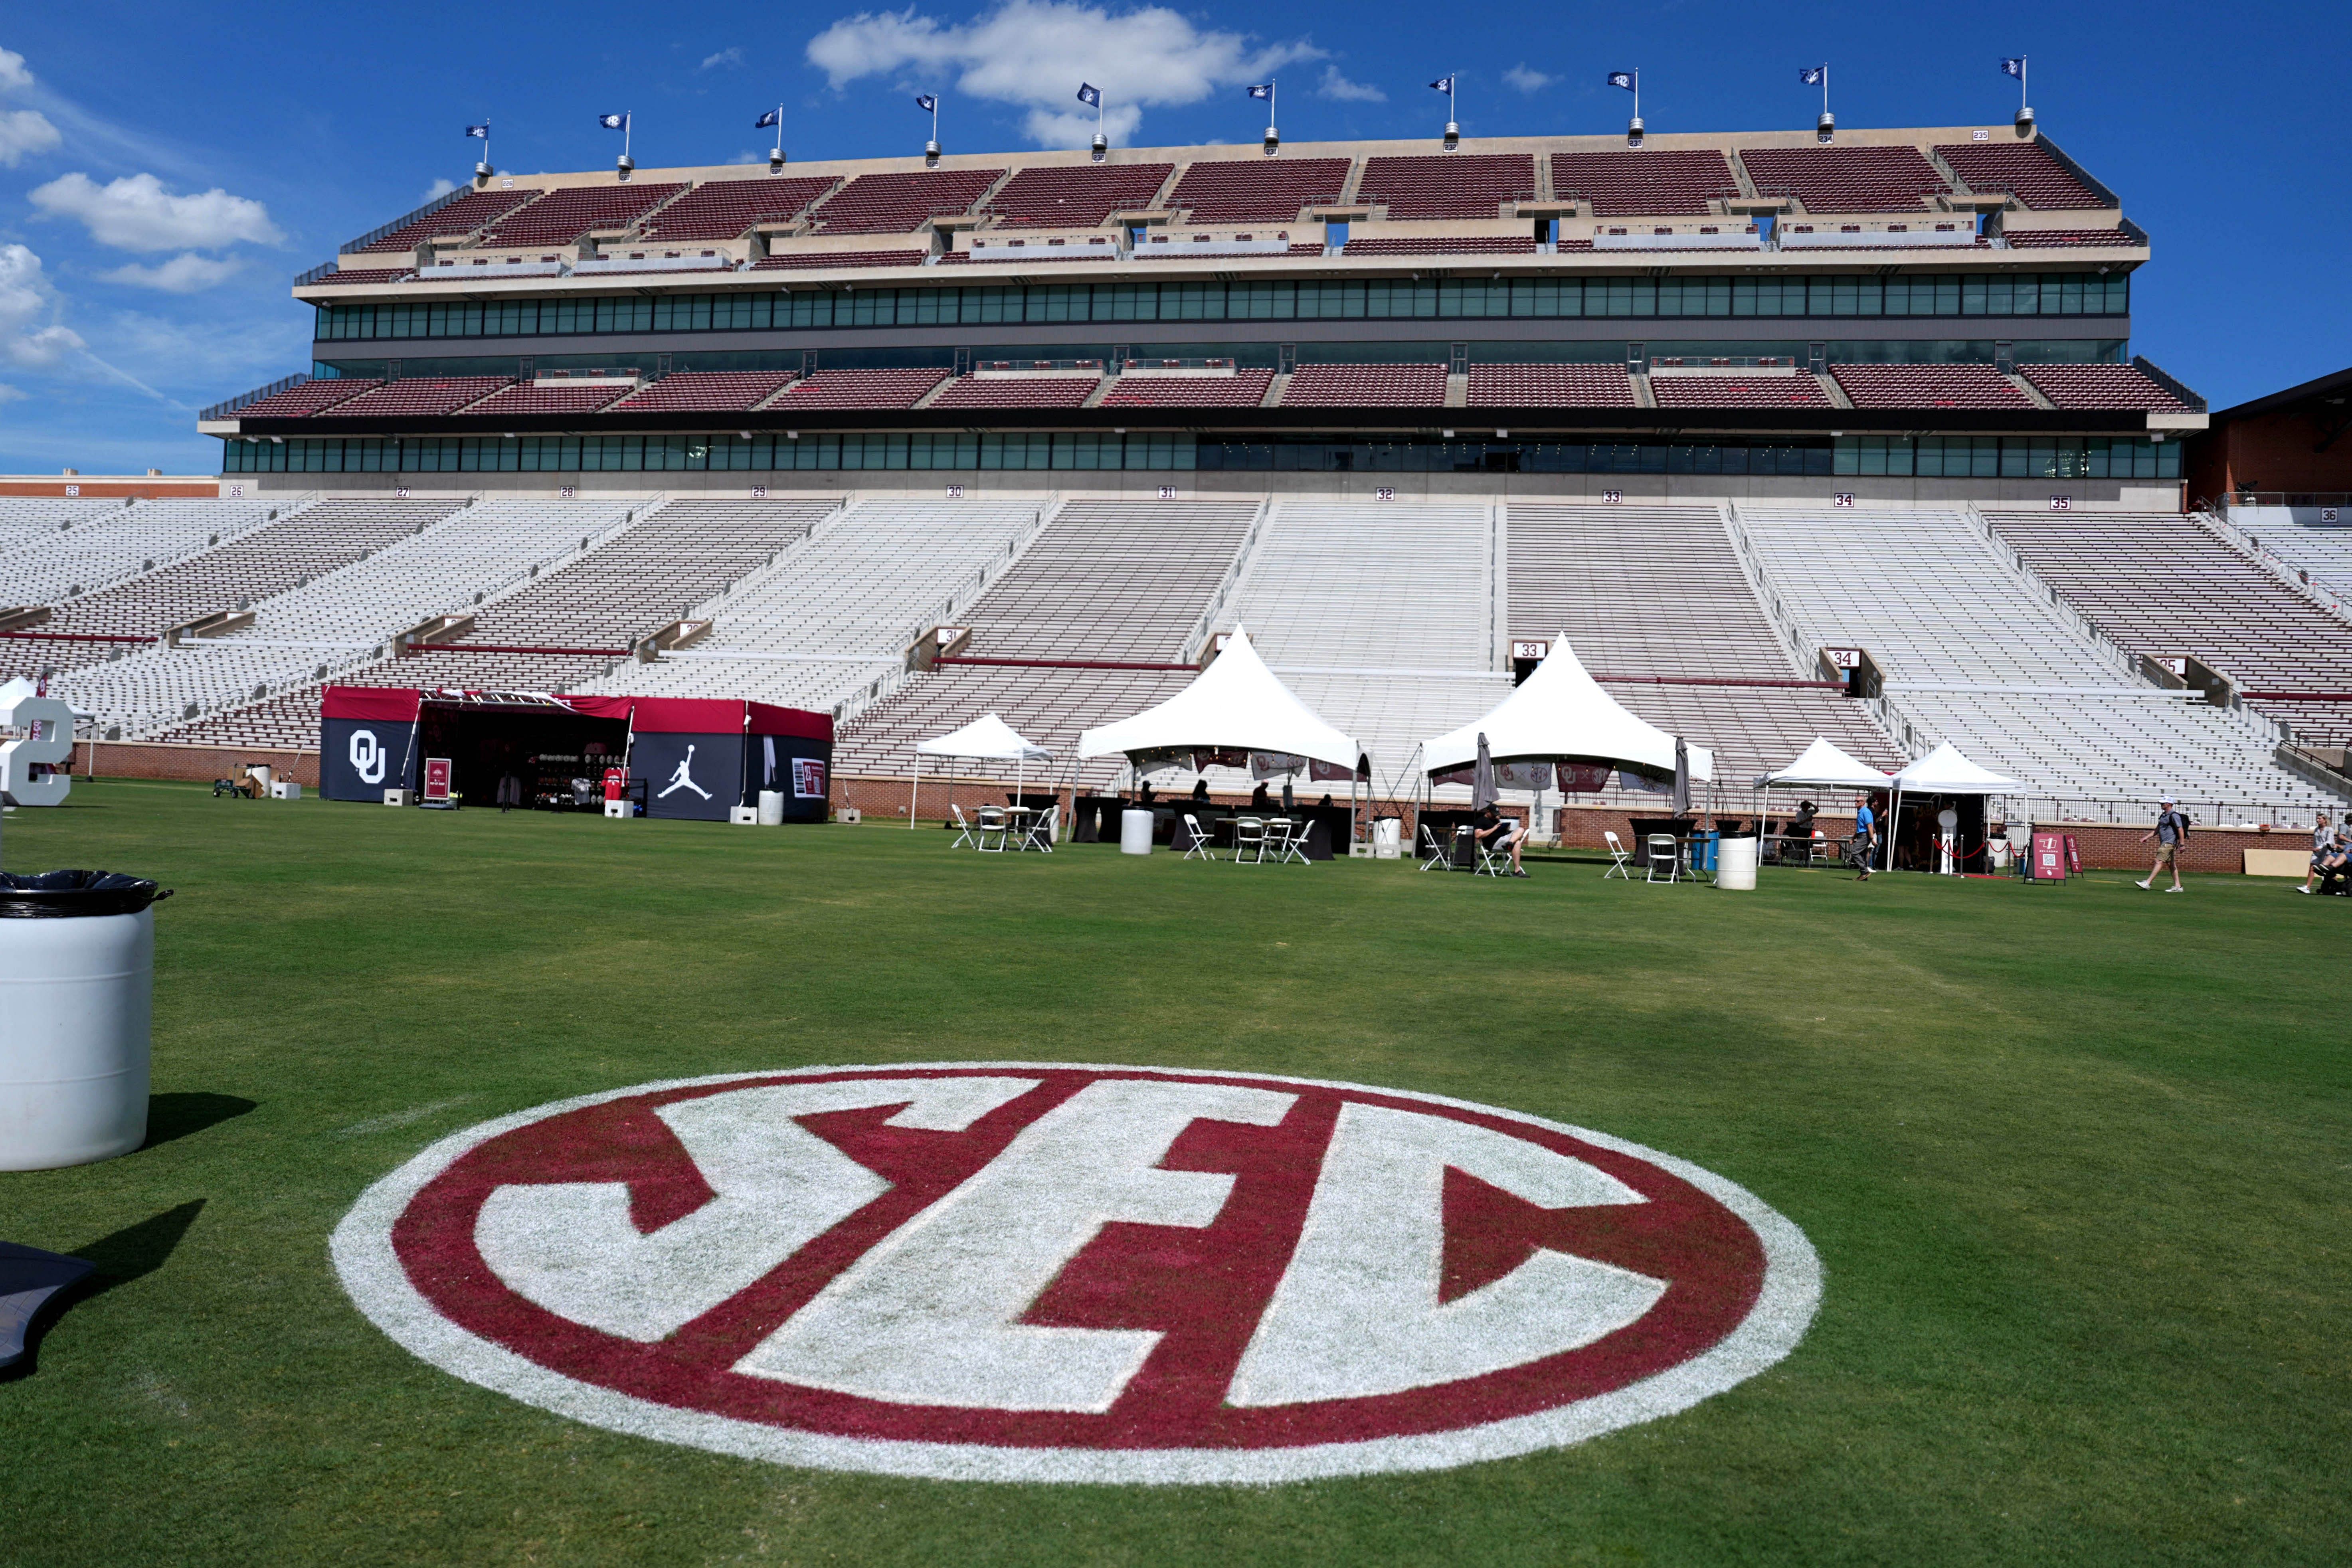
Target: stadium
{"x":1814,"y":1221}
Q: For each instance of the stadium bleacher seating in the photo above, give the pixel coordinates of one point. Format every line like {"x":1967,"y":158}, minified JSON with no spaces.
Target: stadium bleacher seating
{"x":1928,"y":386}
{"x":1433,"y":244}
{"x":1365,"y":386}
{"x":117,"y":541}
{"x":1225,"y":191}
{"x":417,"y":394}
{"x":574,"y":212}
{"x":2101,"y":386}
{"x":548,"y":398}
{"x":2065,"y":238}
{"x":1845,"y":179}
{"x":297,"y":402}
{"x":1653,"y":182}
{"x":352,"y":277}
{"x":705,"y":391}
{"x":1076,"y":195}
{"x":1975,"y":654}
{"x":1242,"y":389}
{"x":1657,"y":591}
{"x":1017,"y":392}
{"x":1464,"y":184}
{"x":725,"y":209}
{"x":803,"y":260}
{"x":2163,"y":585}
{"x":860,"y":389}
{"x":2024,"y":168}
{"x":464,"y":215}
{"x":1737,"y":392}
{"x":23,"y":519}
{"x":902,"y":202}
{"x":1541,"y":385}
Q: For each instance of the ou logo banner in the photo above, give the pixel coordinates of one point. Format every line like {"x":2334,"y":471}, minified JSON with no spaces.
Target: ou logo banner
{"x":1024,"y":1272}
{"x":368,"y":756}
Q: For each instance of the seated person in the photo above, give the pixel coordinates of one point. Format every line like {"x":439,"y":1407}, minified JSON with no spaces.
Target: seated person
{"x":1200,"y":790}
{"x":2332,"y":866}
{"x":1259,"y":799}
{"x":2327,"y":841}
{"x":1323,"y":805}
{"x":1500,"y":832}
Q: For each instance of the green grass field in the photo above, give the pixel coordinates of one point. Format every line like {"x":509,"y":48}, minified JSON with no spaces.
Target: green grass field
{"x":2074,"y":1159}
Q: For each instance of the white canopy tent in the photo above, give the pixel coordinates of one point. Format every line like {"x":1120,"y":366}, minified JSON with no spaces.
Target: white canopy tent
{"x":986,"y":739}
{"x":1824,"y":766}
{"x":1946,"y":770}
{"x":1236,"y":704}
{"x":1559,"y":714}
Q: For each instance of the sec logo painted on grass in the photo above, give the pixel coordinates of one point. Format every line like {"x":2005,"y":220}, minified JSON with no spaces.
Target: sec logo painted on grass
{"x":1027,"y":1272}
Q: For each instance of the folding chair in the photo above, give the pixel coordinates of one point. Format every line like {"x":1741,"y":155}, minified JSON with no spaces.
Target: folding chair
{"x":1434,"y":848}
{"x":1198,"y":850}
{"x":1492,"y":861}
{"x":1619,"y":859}
{"x":1249,"y":839}
{"x":965,"y":834}
{"x":992,"y":820}
{"x":1042,"y":829}
{"x":1666,"y":854}
{"x":1284,"y":836}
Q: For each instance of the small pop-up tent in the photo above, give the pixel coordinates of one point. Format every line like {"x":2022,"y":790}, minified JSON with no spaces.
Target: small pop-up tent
{"x":1238,"y":704}
{"x":1946,"y":770}
{"x":1559,"y":714}
{"x":1824,"y":766}
{"x":987,"y":738}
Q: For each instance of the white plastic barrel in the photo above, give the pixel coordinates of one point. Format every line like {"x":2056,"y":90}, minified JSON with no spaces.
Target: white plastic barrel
{"x":1135,"y":833}
{"x":1387,"y":838}
{"x":1735,"y":863}
{"x":771,"y":808}
{"x":75,"y":998}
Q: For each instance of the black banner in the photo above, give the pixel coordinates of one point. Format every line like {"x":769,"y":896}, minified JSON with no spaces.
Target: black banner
{"x":359,"y":759}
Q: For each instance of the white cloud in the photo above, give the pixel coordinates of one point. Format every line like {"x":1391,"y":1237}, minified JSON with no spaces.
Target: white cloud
{"x":1334,"y":85}
{"x":9,"y":394}
{"x":747,"y":156}
{"x":136,"y":213}
{"x":437,"y":189}
{"x":1033,"y":54}
{"x":28,"y":334}
{"x":23,"y":131}
{"x":1526,"y":80}
{"x":731,"y":56}
{"x":186,"y":273}
{"x":14,"y":76}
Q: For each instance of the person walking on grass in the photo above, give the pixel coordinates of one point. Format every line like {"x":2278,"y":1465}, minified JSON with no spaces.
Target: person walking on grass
{"x":1866,"y":837}
{"x":2170,"y":832}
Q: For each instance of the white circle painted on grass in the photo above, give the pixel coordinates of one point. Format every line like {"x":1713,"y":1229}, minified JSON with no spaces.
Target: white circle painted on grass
{"x":1024,"y":1272}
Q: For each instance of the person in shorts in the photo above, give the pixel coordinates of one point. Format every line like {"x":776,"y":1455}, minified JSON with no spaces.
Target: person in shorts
{"x":2170,"y":832}
{"x":1500,"y":832}
{"x":2331,"y":858}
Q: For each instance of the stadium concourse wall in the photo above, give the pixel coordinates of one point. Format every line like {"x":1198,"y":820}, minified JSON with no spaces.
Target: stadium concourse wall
{"x":1361,"y":485}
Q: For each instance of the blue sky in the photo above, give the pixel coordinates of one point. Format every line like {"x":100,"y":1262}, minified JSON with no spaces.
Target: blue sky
{"x":166,"y":171}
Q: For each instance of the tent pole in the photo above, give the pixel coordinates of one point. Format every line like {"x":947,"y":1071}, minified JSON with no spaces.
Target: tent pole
{"x":913,"y":791}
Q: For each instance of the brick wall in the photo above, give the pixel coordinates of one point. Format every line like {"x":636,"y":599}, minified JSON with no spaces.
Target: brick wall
{"x":2104,"y":846}
{"x":165,"y":760}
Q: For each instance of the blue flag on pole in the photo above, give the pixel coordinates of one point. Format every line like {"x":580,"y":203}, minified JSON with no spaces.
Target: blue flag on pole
{"x":926,"y":103}
{"x":2015,"y":67}
{"x":1443,"y":84}
{"x":482,"y":131}
{"x":1622,"y":78}
{"x":1262,"y":90}
{"x":1090,"y":95}
{"x":772,"y":117}
{"x":1812,"y":76}
{"x":614,"y":121}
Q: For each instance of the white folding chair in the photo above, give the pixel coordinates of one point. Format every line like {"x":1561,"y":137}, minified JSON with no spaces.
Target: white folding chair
{"x":992,"y":820}
{"x":1042,"y":829}
{"x":1249,"y":841}
{"x":965,"y":833}
{"x":1664,"y":852}
{"x":1433,"y":851}
{"x":1493,"y":860}
{"x":1290,"y":837}
{"x":1198,"y":850}
{"x":1618,"y":858}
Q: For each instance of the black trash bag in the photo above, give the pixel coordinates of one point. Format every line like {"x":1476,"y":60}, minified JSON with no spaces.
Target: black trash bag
{"x":62,"y":895}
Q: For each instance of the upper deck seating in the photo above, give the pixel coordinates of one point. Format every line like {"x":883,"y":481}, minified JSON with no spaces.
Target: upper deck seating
{"x":860,"y":389}
{"x":464,"y":215}
{"x":1928,"y":386}
{"x":800,"y":260}
{"x":2161,"y":585}
{"x":704,"y":391}
{"x":563,"y":215}
{"x":298,"y":402}
{"x":548,"y":397}
{"x":1550,"y":386}
{"x":416,"y":394}
{"x":1076,"y":195}
{"x":1737,"y":392}
{"x":1365,"y":386}
{"x":1845,"y":179}
{"x":1242,"y":389}
{"x":1229,"y":189}
{"x":1657,"y":592}
{"x":351,"y":277}
{"x":2024,"y":168}
{"x":1017,"y":392}
{"x":2062,"y":238}
{"x":1459,"y":245}
{"x":723,"y":209}
{"x":2101,"y":386}
{"x":1448,"y":184}
{"x":901,"y":203}
{"x":1651,"y":182}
